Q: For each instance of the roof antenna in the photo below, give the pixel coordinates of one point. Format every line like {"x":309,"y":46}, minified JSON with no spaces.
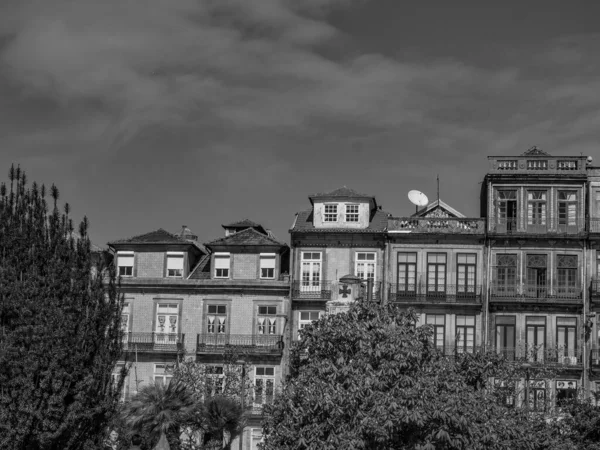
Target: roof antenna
{"x":438,"y":182}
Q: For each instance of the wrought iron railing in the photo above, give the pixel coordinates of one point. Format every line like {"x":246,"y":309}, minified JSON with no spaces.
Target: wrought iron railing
{"x":540,"y":354}
{"x":528,"y":292}
{"x":424,"y":293}
{"x":331,"y":290}
{"x":436,"y":225}
{"x":255,"y":343}
{"x":153,"y":342}
{"x":511,"y":226}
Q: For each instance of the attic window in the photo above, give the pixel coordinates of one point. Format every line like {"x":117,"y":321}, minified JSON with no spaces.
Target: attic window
{"x":125,"y":263}
{"x":175,"y":264}
{"x":351,"y":213}
{"x":331,"y":213}
{"x":267,"y":265}
{"x":222,"y":265}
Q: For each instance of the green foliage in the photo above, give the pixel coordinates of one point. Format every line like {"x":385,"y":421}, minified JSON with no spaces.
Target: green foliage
{"x":59,"y":325}
{"x":371,"y":379}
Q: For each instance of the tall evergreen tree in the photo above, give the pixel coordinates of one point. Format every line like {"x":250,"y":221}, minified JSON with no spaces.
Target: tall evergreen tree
{"x":60,"y":335}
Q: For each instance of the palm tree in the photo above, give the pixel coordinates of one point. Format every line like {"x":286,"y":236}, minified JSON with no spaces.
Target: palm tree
{"x":222,"y":418}
{"x":158,"y":409}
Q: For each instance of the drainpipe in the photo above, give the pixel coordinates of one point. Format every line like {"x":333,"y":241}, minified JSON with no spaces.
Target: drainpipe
{"x":290,"y":311}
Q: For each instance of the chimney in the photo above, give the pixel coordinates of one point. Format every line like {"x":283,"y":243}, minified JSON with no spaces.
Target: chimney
{"x":187,"y":234}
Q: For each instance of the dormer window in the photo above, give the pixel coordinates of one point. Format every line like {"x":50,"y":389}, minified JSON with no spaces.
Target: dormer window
{"x":331,"y":213}
{"x":267,"y":265}
{"x":351,"y":213}
{"x":175,"y":264}
{"x":125,"y":263}
{"x":222,"y":265}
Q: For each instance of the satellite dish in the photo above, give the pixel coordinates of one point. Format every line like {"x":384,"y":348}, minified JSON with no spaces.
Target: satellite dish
{"x":418,"y":198}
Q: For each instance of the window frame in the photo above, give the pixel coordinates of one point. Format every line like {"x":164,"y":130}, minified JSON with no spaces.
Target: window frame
{"x":437,"y":326}
{"x":264,"y":328}
{"x":351,"y":215}
{"x":218,"y":328}
{"x":436,"y":266}
{"x":465,"y":347}
{"x":264,"y":377}
{"x":267,"y":257}
{"x":303,"y":323}
{"x":565,"y":203}
{"x":366,"y":262}
{"x":222,"y":256}
{"x":125,"y":254}
{"x":467,"y":265}
{"x":500,"y":349}
{"x":406,"y":269}
{"x":165,"y":375}
{"x":332,"y":215}
{"x":172,"y":256}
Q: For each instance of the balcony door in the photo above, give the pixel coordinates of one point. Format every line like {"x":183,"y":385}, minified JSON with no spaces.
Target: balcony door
{"x":466,"y":264}
{"x":536,"y":211}
{"x":507,"y":210}
{"x":568,"y":283}
{"x":536,"y":338}
{"x":438,"y":323}
{"x":407,"y":274}
{"x":436,"y":274}
{"x":536,"y":276}
{"x":167,"y":323}
{"x":506,"y":276}
{"x":505,"y":336}
{"x":566,"y":339}
{"x":311,"y":272}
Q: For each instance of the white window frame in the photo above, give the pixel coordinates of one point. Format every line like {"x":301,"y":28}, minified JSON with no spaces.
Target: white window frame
{"x":222,"y":256}
{"x":264,"y":257}
{"x":125,"y":255}
{"x":310,"y":281}
{"x":161,"y":373}
{"x":264,"y":377}
{"x":302,"y":323}
{"x":164,"y":333}
{"x":267,"y":320}
{"x":332,"y":215}
{"x":217,"y":326}
{"x":177,"y":271}
{"x":352,"y":212}
{"x":366,"y":261}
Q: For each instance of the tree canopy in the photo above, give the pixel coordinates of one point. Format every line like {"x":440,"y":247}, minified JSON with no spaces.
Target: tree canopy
{"x":60,"y":332}
{"x":370,"y":378}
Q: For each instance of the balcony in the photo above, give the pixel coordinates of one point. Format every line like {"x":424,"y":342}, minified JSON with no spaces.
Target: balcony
{"x":512,"y":227}
{"x":538,"y":165}
{"x":411,"y":293}
{"x":153,"y":342}
{"x":252,"y":343}
{"x":543,"y":355}
{"x":535,"y":293}
{"x":436,"y":225}
{"x":328,"y":290}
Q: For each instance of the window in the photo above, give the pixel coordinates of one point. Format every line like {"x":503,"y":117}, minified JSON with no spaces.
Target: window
{"x":438,"y":322}
{"x":264,"y":385}
{"x":407,"y":274}
{"x":466,"y":264}
{"x":535,"y":338}
{"x":125,"y":263}
{"x":465,"y":334}
{"x":267,"y":320}
{"x":566,"y":340}
{"x":331,"y":213}
{"x":567,"y":275}
{"x":215,"y":380}
{"x":565,"y":390}
{"x":506,"y":275}
{"x":175,"y":264}
{"x":126,"y":321}
{"x":507,"y":210}
{"x":537,"y":395}
{"x":506,"y":390}
{"x":267,"y":265}
{"x":311,"y":271}
{"x":216,"y":319}
{"x":365,"y":265}
{"x":163,"y":373}
{"x":351,"y":213}
{"x":505,"y":336}
{"x":307,"y":318}
{"x":536,"y":210}
{"x":222,"y":265}
{"x":436,"y":273}
{"x":167,"y":326}
{"x":536,"y":276}
{"x":567,"y":210}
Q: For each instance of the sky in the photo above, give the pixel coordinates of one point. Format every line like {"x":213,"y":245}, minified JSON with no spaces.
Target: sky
{"x":152,"y":114}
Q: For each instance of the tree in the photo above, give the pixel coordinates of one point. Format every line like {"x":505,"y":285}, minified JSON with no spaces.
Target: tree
{"x":60,"y":332}
{"x":371,"y":379}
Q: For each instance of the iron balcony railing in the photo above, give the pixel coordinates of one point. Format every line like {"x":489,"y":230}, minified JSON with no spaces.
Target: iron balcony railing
{"x":330,"y":290}
{"x":153,"y":342}
{"x":439,"y":293}
{"x":511,"y":226}
{"x":254,"y":343}
{"x":436,"y":225}
{"x":541,"y":354}
{"x":528,"y":293}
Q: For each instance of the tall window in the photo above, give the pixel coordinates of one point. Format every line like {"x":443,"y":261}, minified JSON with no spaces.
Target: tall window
{"x":307,"y":318}
{"x":506,"y":275}
{"x":167,"y":316}
{"x":438,"y":322}
{"x":537,"y":276}
{"x":566,"y":339}
{"x":535,"y":338}
{"x":507,"y":210}
{"x":536,"y":211}
{"x":330,"y":213}
{"x":222,"y":265}
{"x":163,"y":373}
{"x":505,"y":336}
{"x":351,"y":213}
{"x":436,"y":273}
{"x":175,"y":264}
{"x":465,"y":334}
{"x":407,"y":273}
{"x":565,"y":390}
{"x":126,"y":321}
{"x":567,"y":210}
{"x":216,"y":319}
{"x":215,"y":380}
{"x":365,"y":265}
{"x":567,"y":275}
{"x":537,"y":395}
{"x":267,"y":265}
{"x":466,"y":264}
{"x":311,"y":271}
{"x":267,"y":320}
{"x":264,"y":385}
{"x":125,"y":263}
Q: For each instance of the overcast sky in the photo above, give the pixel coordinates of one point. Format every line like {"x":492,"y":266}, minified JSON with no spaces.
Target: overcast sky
{"x":158,"y":113}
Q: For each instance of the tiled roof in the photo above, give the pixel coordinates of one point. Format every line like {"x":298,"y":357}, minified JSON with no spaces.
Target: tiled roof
{"x":304,"y":223}
{"x":341,"y":192}
{"x":159,"y":236}
{"x":202,"y":269}
{"x":242,"y":223}
{"x":249,"y":236}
